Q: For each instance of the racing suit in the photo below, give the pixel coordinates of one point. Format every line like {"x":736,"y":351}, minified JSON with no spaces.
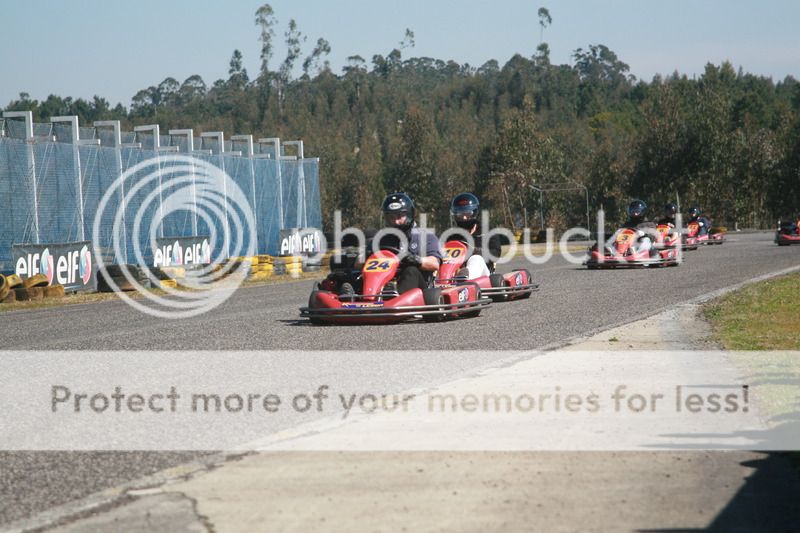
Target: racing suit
{"x":420,"y":244}
{"x":704,"y":223}
{"x":645,"y":230}
{"x":480,"y":264}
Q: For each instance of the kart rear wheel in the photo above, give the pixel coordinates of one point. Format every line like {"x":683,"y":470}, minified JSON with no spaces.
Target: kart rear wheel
{"x":433,"y":296}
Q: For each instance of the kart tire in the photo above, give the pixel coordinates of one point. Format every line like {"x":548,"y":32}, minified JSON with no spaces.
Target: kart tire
{"x":13,"y":281}
{"x":497,"y":280}
{"x":4,"y":290}
{"x":433,"y":296}
{"x":32,"y":294}
{"x":37,"y":280}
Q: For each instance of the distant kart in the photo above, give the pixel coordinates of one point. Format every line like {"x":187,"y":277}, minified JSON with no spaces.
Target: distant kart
{"x":693,"y":237}
{"x":621,"y":253}
{"x":788,"y":233}
{"x":516,"y":285}
{"x":380,"y":302}
{"x":667,"y":237}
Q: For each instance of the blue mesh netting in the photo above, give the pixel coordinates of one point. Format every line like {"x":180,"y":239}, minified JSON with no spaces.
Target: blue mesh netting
{"x":50,"y":193}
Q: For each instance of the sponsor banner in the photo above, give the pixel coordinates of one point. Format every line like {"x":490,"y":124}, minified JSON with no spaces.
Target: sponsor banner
{"x":301,"y":241}
{"x":69,"y":264}
{"x":180,"y":251}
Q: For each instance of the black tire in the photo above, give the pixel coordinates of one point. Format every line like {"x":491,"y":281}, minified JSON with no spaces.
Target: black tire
{"x":497,"y":281}
{"x":433,"y":296}
{"x":32,"y":294}
{"x":122,"y":283}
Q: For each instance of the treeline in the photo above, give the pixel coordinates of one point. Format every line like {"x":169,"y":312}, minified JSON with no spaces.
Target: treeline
{"x":728,"y":141}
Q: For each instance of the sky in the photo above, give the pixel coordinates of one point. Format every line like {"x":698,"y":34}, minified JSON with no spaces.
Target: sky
{"x":113,"y":48}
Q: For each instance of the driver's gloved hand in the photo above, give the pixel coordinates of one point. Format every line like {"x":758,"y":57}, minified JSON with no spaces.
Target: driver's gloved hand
{"x":411,"y":260}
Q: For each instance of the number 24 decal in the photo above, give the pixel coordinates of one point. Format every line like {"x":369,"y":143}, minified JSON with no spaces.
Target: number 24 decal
{"x":378,"y":265}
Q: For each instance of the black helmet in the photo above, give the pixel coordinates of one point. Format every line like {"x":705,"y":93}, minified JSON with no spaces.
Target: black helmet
{"x":694,"y":212}
{"x":637,"y":210}
{"x":670,"y":210}
{"x":465,"y":208}
{"x":395,"y":205}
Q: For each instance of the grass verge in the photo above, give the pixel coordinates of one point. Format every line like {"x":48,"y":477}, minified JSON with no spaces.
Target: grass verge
{"x":762,"y":322}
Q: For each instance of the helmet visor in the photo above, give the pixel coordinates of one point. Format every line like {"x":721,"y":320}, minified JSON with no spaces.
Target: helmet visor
{"x":395,"y":219}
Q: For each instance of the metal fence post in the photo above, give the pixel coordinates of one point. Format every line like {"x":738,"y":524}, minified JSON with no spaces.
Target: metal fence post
{"x":31,"y":162}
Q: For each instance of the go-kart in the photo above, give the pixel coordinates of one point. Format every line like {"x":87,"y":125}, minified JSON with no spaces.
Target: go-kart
{"x":380,"y":303}
{"x":788,"y":233}
{"x":622,"y":253}
{"x":693,"y":237}
{"x":667,"y":237}
{"x":515,"y":285}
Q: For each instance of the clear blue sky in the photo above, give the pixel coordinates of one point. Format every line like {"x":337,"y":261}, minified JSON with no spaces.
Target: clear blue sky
{"x":113,"y":48}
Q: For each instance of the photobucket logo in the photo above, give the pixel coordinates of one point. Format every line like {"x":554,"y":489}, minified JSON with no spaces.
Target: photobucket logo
{"x":572,"y":246}
{"x":183,"y":194}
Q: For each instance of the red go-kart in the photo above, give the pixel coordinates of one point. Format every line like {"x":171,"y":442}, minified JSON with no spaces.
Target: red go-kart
{"x":693,"y":237}
{"x":380,"y":302}
{"x":515,"y":285}
{"x":622,"y":253}
{"x":788,"y":233}
{"x":667,"y":237}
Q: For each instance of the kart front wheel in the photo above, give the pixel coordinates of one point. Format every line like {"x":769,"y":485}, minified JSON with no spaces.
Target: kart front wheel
{"x":433,"y":296}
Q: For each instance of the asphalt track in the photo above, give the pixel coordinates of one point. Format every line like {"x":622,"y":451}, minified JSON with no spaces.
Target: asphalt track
{"x":572,"y":302}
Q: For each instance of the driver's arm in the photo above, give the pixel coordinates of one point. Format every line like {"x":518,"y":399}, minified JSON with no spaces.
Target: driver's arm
{"x":430,"y":263}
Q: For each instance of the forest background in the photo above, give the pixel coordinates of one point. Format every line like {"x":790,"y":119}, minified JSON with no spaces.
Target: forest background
{"x":726,"y":141}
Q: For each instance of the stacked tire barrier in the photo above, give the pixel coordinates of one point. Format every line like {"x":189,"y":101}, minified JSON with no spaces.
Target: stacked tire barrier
{"x":33,"y":289}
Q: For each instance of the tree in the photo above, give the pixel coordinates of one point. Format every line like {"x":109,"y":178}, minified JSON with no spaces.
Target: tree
{"x":312,"y":61}
{"x":265,"y":20}
{"x":238,"y":74}
{"x":544,"y":21}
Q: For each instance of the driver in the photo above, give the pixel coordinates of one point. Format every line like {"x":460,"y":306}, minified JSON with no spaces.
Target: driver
{"x":415,"y":270}
{"x":702,"y":222}
{"x":465,"y":210}
{"x":670,"y":211}
{"x":644,"y":229}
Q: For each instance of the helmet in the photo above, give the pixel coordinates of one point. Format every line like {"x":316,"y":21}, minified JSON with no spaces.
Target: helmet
{"x":637,"y":210}
{"x":670,"y":210}
{"x":465,"y":208}
{"x":694,"y":212}
{"x":394,"y":207}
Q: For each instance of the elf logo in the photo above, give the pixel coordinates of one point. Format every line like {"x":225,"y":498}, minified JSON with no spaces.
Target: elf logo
{"x":67,"y":268}
{"x":197,"y":253}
